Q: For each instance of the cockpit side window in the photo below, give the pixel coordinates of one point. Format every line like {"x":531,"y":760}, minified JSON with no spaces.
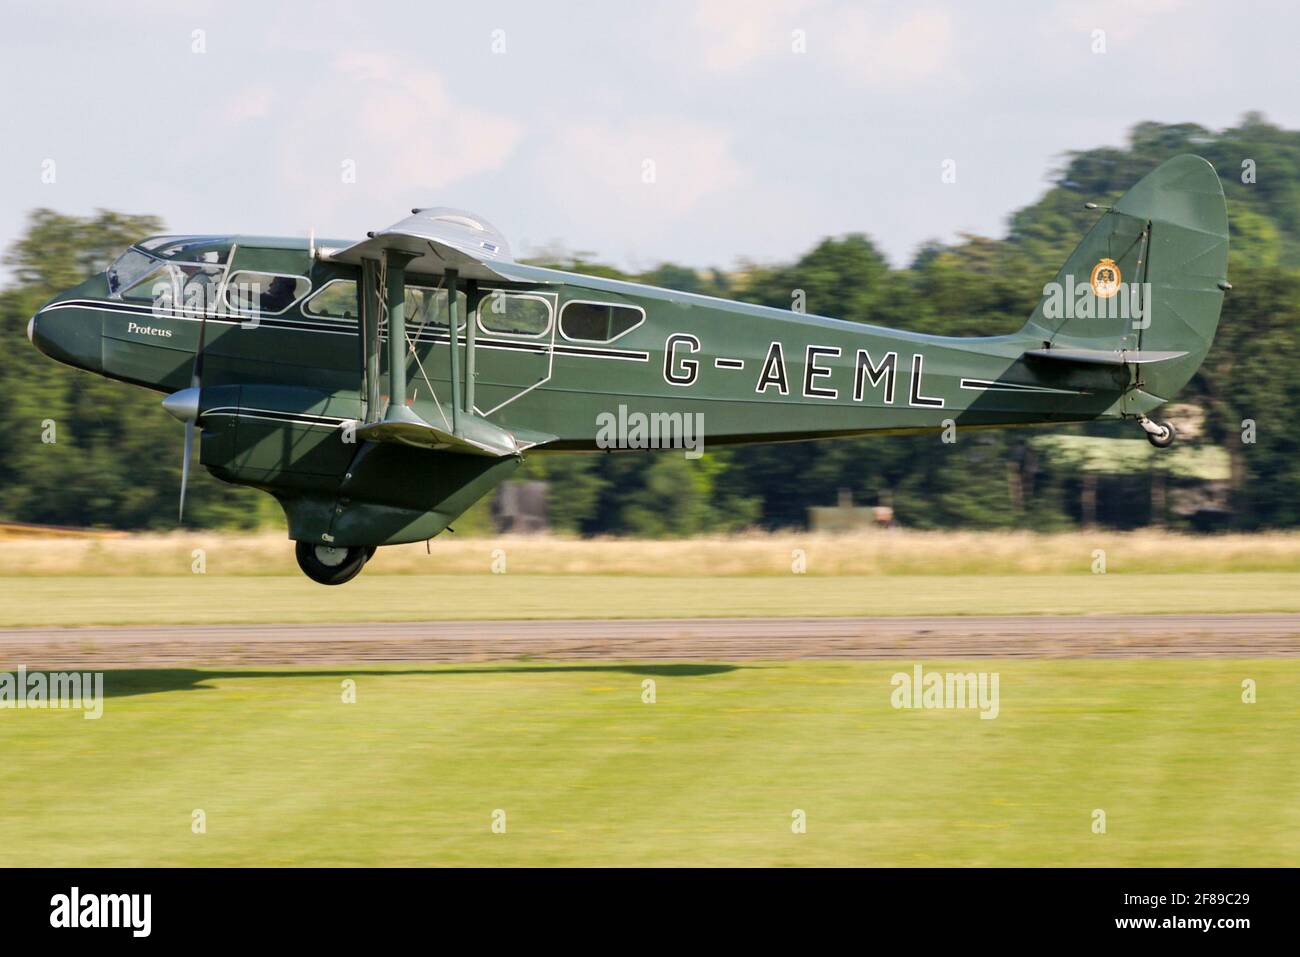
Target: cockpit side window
{"x":188,"y":287}
{"x":159,"y":287}
{"x":264,"y":293}
{"x":200,"y":287}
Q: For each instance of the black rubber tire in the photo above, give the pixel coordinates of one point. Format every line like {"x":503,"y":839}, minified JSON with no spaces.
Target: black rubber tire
{"x":318,"y":568}
{"x":1167,"y":440}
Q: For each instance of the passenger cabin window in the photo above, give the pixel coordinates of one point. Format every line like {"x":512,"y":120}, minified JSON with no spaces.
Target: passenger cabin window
{"x":263,"y":292}
{"x":335,"y":300}
{"x":514,"y":315}
{"x":598,"y":322}
{"x":426,"y":306}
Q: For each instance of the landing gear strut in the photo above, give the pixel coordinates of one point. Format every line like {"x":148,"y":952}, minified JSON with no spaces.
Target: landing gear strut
{"x":330,"y":565}
{"x":1159,"y":434}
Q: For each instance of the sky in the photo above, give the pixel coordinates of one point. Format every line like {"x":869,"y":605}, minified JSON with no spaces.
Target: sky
{"x":707,"y":134}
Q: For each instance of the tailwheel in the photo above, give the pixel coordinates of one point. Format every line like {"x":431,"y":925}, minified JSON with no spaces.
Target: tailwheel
{"x":331,"y":565}
{"x":1160,"y":434}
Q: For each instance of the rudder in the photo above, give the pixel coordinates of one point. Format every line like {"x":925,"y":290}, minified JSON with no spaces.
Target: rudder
{"x":1148,"y":278}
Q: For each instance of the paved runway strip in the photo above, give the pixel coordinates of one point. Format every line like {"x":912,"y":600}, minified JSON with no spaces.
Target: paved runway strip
{"x":712,"y":639}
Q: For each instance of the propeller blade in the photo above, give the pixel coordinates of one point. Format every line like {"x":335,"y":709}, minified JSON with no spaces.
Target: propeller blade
{"x":185,"y":466}
{"x":184,"y":405}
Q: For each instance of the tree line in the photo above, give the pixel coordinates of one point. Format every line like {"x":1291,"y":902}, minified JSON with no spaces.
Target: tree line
{"x":116,"y":461}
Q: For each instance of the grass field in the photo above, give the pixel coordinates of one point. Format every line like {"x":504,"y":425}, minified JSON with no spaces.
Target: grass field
{"x":895,"y":552}
{"x":210,"y":599}
{"x":588,"y":774}
{"x":141,"y":579}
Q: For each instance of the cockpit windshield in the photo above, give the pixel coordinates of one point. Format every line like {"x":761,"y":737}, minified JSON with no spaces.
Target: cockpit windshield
{"x":129,"y":267}
{"x":206,"y":249}
{"x":146,"y":255}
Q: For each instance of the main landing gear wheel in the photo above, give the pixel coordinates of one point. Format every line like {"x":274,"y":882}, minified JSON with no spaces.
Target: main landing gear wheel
{"x":1159,"y":434}
{"x":329,"y":565}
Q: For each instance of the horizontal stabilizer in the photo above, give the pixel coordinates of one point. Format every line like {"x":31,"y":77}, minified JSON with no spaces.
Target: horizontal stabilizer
{"x":1103,"y":357}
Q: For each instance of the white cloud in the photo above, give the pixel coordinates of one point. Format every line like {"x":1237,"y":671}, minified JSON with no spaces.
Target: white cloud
{"x":389,"y":118}
{"x":251,"y":103}
{"x":736,"y":33}
{"x":413,"y":135}
{"x":1121,"y":19}
{"x":882,"y":54}
{"x":863,"y":45}
{"x":596,"y":173}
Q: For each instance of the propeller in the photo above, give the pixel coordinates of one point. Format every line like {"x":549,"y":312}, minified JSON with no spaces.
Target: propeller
{"x":184,"y":405}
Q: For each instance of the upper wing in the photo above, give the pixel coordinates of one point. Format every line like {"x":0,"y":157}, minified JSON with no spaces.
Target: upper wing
{"x":440,"y":238}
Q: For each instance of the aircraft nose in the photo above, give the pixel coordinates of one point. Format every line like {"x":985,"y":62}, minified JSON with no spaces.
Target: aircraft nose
{"x":71,"y":336}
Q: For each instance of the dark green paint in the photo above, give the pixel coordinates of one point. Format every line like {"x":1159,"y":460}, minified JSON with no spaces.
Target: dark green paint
{"x":1170,"y":230}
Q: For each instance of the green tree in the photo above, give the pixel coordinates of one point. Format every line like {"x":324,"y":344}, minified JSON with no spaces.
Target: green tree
{"x":115,"y":455}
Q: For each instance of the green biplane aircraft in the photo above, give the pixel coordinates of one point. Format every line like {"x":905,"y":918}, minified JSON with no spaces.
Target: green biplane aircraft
{"x":327,"y":375}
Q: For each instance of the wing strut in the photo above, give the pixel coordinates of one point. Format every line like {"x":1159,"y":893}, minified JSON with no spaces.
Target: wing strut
{"x":452,"y":337}
{"x":384,"y":260}
{"x":371,"y":309}
{"x":470,"y":322}
{"x":395,"y":275}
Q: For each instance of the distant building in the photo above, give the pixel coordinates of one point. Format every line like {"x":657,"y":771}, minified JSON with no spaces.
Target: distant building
{"x":520,"y":507}
{"x":847,"y":517}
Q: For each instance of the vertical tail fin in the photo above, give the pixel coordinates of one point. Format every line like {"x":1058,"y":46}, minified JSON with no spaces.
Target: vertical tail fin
{"x":1149,"y":277}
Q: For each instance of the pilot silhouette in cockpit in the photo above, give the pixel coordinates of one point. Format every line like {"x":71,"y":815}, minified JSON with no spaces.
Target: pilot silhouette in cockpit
{"x":278,"y":294}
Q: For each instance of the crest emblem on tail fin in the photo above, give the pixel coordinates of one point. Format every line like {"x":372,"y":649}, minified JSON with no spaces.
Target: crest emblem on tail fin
{"x":1105,"y":279}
